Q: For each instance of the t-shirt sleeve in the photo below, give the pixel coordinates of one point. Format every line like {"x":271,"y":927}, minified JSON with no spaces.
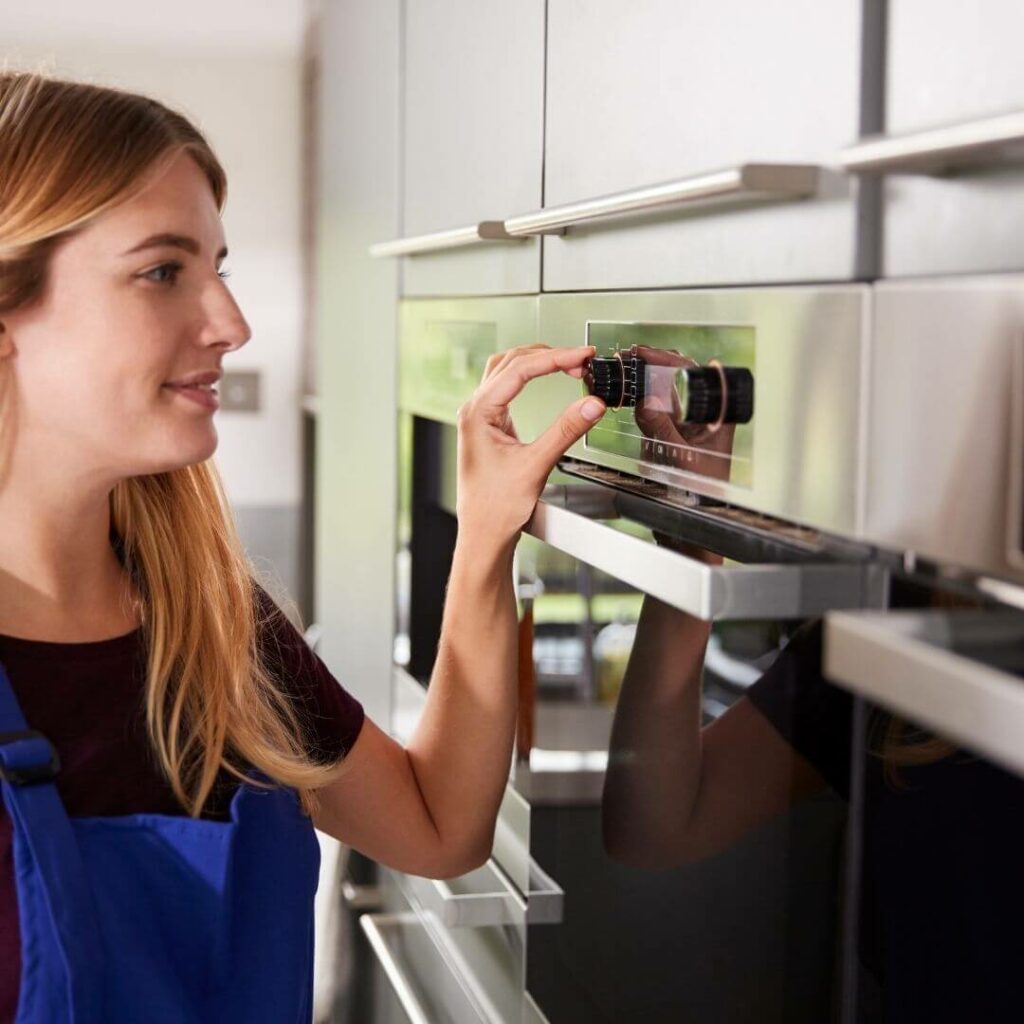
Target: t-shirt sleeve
{"x":330,"y":716}
{"x":814,"y":717}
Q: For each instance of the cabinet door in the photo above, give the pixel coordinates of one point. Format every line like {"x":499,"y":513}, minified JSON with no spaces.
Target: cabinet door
{"x":950,"y":62}
{"x":474,"y":112}
{"x":658,"y":90}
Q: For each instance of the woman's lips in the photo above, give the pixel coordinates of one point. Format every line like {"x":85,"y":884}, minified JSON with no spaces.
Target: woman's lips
{"x":205,"y":396}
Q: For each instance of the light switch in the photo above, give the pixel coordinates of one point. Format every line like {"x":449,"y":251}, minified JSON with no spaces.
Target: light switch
{"x":240,"y":391}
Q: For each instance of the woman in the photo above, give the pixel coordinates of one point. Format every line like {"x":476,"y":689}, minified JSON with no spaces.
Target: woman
{"x":167,"y":744}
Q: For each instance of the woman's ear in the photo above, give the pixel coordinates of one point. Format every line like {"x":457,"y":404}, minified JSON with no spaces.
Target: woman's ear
{"x":6,"y":344}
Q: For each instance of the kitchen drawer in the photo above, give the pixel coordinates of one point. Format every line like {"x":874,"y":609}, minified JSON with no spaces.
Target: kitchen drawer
{"x":951,"y":63}
{"x":474,"y":111}
{"x":653,"y":91}
{"x":944,"y":436}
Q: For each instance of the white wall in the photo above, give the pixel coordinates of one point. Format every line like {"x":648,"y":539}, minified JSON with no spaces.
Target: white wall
{"x":233,"y":66}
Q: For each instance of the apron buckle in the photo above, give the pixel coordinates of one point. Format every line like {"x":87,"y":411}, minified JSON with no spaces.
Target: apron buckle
{"x":27,"y":757}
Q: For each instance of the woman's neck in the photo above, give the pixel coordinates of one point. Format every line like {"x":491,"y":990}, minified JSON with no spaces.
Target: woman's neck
{"x":60,"y":579}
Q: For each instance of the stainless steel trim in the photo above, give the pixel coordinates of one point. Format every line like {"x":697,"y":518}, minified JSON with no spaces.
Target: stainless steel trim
{"x":361,"y":897}
{"x":935,"y":150}
{"x":745,"y":183}
{"x":473,"y":234}
{"x":899,"y":660}
{"x":372,"y":925}
{"x":708,"y":592}
{"x":1015,"y":470}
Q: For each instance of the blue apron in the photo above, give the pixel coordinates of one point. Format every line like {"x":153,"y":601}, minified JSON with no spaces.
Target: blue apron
{"x":155,"y":918}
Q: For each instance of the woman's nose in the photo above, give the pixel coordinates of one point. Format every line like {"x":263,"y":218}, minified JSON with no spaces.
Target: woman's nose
{"x":225,"y":324}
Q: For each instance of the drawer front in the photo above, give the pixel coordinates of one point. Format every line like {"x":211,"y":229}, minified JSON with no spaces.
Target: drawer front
{"x":655,"y":91}
{"x":474,"y":110}
{"x":950,"y":63}
{"x":942,"y":442}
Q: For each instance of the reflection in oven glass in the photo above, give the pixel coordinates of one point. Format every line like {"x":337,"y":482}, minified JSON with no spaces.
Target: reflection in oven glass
{"x":674,"y":911}
{"x":941,"y":898}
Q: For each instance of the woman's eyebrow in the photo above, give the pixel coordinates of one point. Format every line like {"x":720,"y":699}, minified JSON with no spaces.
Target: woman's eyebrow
{"x":190,"y":245}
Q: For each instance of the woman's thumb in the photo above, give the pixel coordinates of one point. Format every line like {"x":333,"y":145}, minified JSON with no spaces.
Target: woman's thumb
{"x":568,"y":429}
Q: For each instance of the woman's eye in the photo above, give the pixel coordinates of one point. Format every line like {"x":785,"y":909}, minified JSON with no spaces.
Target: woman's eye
{"x":224,"y":274}
{"x":166,"y":273}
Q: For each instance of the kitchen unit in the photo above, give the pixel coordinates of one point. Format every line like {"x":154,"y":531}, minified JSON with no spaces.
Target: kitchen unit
{"x":810,"y":440}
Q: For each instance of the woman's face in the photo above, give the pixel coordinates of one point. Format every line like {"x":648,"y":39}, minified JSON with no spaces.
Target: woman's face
{"x":134,"y":308}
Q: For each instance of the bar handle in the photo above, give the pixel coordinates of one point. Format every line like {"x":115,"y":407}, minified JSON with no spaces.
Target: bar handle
{"x":906,"y":662}
{"x":741,"y":184}
{"x":976,"y":143}
{"x":566,"y":518}
{"x":474,"y":234}
{"x":495,"y":901}
{"x":400,"y":984}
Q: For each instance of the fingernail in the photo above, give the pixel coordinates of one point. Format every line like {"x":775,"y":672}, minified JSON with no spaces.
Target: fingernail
{"x":592,"y":409}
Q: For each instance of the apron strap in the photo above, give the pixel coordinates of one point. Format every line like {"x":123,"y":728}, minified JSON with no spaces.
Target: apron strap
{"x":44,"y":831}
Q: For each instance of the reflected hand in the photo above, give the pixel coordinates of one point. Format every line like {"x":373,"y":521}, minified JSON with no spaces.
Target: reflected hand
{"x":499,"y":477}
{"x":660,"y":417}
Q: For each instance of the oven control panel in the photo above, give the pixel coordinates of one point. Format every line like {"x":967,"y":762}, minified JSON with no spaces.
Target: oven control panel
{"x":678,"y":396}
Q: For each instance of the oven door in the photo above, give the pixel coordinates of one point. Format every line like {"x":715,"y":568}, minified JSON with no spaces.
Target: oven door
{"x":938,"y":798}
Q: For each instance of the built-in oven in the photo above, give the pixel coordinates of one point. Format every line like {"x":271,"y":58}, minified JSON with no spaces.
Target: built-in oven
{"x":672,"y":585}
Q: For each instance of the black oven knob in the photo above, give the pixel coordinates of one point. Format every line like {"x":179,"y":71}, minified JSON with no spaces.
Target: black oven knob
{"x":704,"y":394}
{"x":617,"y":380}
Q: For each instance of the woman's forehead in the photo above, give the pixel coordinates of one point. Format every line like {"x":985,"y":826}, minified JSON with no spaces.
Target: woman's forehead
{"x":176,"y":199}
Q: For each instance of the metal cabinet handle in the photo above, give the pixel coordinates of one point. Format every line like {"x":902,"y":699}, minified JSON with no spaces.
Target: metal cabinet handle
{"x":708,"y":592}
{"x":935,"y":150}
{"x":500,"y":903}
{"x":745,"y":183}
{"x":371,"y":925}
{"x":902,"y":661}
{"x":485,"y":231}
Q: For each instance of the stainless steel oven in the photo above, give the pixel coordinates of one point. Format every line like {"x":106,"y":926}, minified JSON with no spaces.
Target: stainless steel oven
{"x":730,"y":494}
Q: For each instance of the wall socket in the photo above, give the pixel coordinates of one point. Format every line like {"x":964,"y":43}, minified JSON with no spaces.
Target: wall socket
{"x":240,"y":391}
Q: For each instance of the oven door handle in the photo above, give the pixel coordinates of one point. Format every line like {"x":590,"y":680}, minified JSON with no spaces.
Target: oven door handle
{"x":474,"y":234}
{"x":568,"y":518}
{"x":745,"y":183}
{"x":976,"y":143}
{"x":903,"y":661}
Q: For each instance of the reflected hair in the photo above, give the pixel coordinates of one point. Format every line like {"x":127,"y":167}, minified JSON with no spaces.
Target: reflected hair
{"x":69,"y":151}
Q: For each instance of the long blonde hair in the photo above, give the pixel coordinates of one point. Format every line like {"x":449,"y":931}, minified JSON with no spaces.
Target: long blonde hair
{"x":68,"y":152}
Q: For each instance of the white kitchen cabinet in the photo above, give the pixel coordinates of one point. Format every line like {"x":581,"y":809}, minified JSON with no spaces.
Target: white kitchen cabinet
{"x":473,"y":136}
{"x":657,"y":90}
{"x":951,"y":62}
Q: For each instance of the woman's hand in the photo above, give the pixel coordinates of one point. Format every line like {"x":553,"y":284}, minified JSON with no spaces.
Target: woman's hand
{"x":499,"y":477}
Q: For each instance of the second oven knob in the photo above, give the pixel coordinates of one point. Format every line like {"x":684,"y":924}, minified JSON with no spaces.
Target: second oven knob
{"x":704,"y":394}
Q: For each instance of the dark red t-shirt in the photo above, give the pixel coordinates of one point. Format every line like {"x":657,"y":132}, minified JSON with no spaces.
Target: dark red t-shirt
{"x":88,"y":700}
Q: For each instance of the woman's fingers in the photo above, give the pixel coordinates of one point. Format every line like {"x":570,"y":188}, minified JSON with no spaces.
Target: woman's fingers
{"x":499,"y":359}
{"x":525,"y":365}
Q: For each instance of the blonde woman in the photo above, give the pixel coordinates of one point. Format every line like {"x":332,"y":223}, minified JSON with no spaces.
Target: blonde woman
{"x":166,"y":741}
